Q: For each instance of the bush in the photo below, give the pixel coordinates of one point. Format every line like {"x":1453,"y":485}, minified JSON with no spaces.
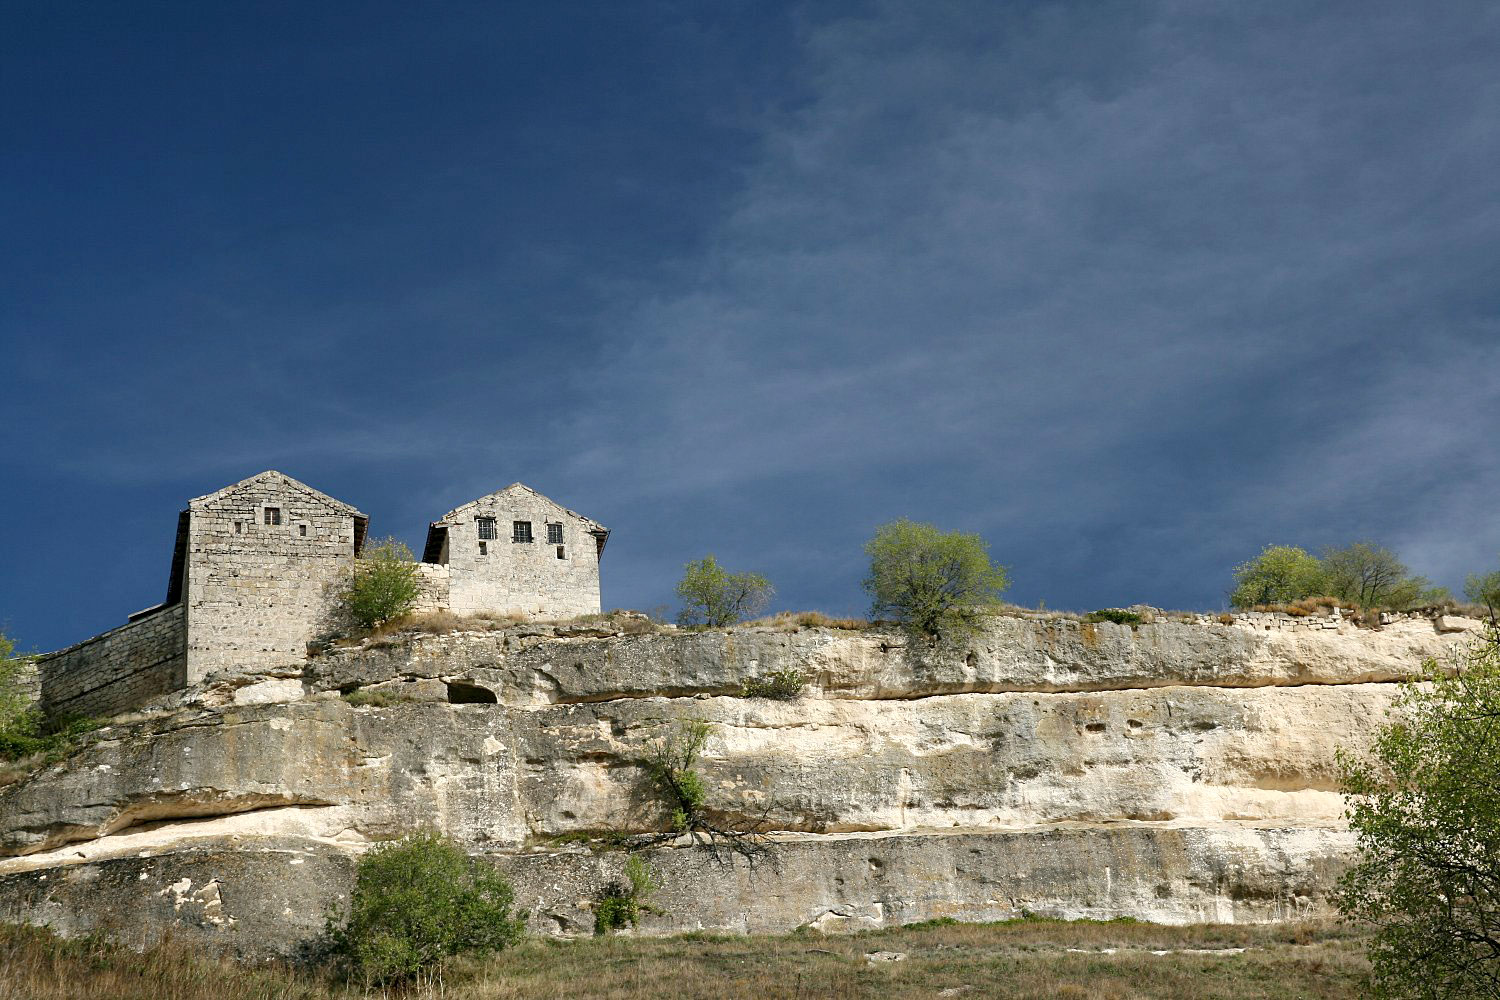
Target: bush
{"x":931,"y":580}
{"x":714,"y":597}
{"x":1117,"y":615}
{"x":624,"y":901}
{"x":417,"y":902}
{"x":24,"y":730}
{"x":1367,"y":575}
{"x":384,"y":584}
{"x":779,"y":685}
{"x":1425,"y":809}
{"x":1279,"y":575}
{"x":1484,"y":590}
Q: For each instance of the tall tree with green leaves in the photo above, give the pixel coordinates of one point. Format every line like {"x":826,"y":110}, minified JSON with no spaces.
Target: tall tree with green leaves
{"x":1371,"y":576}
{"x":713,"y":596}
{"x":930,"y":580}
{"x":1485,"y":589}
{"x":1281,"y":574}
{"x":1425,"y":808}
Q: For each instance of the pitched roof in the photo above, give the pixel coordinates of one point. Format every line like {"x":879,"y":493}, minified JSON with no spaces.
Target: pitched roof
{"x":513,"y":487}
{"x":283,"y":479}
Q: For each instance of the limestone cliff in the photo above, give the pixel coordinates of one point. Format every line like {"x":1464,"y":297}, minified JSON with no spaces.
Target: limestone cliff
{"x":1174,"y":771}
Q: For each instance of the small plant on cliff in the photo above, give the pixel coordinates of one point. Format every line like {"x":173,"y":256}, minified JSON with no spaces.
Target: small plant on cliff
{"x":779,"y":685}
{"x":384,"y":584}
{"x":671,"y":765}
{"x":1118,"y":616}
{"x":416,"y":903}
{"x":1425,"y":808}
{"x":715,"y":597}
{"x":932,"y":581}
{"x":624,"y":900}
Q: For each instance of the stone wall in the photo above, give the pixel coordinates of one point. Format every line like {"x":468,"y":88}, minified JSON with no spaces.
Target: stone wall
{"x":116,"y":671}
{"x":432,"y":578}
{"x":525,"y":578}
{"x":257,"y":593}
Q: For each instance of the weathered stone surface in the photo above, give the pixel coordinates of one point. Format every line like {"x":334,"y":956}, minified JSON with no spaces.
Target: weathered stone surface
{"x":1010,"y":654}
{"x":1173,"y":772}
{"x":255,"y":896}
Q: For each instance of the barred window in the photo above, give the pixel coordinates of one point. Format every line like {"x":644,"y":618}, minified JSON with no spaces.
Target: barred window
{"x":520,"y":531}
{"x":273,"y":515}
{"x":486,"y":528}
{"x":554,"y":534}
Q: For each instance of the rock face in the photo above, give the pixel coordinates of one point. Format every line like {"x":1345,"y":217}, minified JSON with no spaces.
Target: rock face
{"x":1171,"y":772}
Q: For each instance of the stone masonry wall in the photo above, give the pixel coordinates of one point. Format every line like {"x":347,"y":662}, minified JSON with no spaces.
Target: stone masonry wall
{"x":116,"y":671}
{"x":257,"y":593}
{"x":432,"y":578}
{"x":527,"y":578}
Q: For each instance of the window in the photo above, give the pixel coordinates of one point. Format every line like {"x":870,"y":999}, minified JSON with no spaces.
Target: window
{"x":554,"y":534}
{"x":273,"y":515}
{"x":560,"y":553}
{"x":520,"y":531}
{"x":239,"y":527}
{"x":302,"y":530}
{"x":486,"y":527}
{"x":484,"y":548}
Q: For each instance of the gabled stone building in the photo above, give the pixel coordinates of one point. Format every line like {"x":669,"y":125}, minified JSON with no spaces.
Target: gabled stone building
{"x":258,"y":568}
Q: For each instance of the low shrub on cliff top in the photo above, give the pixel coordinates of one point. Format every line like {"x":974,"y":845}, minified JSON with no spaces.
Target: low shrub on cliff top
{"x":417,"y":902}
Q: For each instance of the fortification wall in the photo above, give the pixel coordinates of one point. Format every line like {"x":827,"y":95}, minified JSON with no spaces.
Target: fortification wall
{"x":432,"y":578}
{"x":116,"y":671}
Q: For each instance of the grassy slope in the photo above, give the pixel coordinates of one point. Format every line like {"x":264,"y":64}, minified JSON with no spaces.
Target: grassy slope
{"x":1023,"y":959}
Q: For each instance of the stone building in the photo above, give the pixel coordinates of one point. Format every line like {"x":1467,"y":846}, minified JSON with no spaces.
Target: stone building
{"x":257,"y":572}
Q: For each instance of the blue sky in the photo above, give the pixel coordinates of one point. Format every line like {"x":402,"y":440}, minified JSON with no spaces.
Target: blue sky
{"x":1131,"y":289}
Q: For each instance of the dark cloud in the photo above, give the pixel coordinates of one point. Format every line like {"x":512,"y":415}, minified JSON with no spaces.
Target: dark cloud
{"x":1132,"y":289}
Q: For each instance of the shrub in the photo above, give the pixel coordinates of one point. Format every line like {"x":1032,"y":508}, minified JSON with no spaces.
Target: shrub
{"x":715,"y":597}
{"x":1117,"y":615}
{"x":1367,"y":575}
{"x":779,"y":685}
{"x":24,"y":730}
{"x":384,"y":584}
{"x":1484,"y":590}
{"x":624,"y":900}
{"x":1425,"y":809}
{"x":931,"y":580}
{"x":417,"y":902}
{"x":1279,"y":575}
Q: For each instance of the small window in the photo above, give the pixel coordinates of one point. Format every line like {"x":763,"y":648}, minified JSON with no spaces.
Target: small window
{"x":554,"y":534}
{"x":239,"y":527}
{"x":484,"y":548}
{"x":560,"y":553}
{"x":520,"y":531}
{"x":273,"y":515}
{"x":486,"y":527}
{"x":302,"y":530}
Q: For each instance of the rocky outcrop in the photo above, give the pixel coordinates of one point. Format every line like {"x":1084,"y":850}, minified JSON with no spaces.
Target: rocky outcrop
{"x":1171,"y":772}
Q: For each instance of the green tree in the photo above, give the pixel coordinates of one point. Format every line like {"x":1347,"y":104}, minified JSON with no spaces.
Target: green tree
{"x":384,"y":585}
{"x":1425,"y":808}
{"x":1281,"y":574}
{"x":713,"y":596}
{"x":1484,"y":589}
{"x":1371,"y":576}
{"x":417,"y":902}
{"x":931,"y":580}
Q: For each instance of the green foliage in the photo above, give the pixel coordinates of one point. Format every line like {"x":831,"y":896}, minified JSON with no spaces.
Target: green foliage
{"x":384,"y":585}
{"x":1425,"y":807}
{"x":417,"y":902}
{"x":1117,"y":615}
{"x":931,"y":580}
{"x":780,"y":685}
{"x":670,"y":762}
{"x":1370,"y":576}
{"x":24,"y":730}
{"x":714,"y":597}
{"x":1484,"y":589}
{"x":1281,"y":574}
{"x":624,"y":901}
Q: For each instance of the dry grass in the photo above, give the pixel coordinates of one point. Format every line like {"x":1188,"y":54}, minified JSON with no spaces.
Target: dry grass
{"x":1018,"y":959}
{"x":791,"y":621}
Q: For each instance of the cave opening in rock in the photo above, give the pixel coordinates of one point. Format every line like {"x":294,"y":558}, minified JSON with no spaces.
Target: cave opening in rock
{"x":460,"y":693}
